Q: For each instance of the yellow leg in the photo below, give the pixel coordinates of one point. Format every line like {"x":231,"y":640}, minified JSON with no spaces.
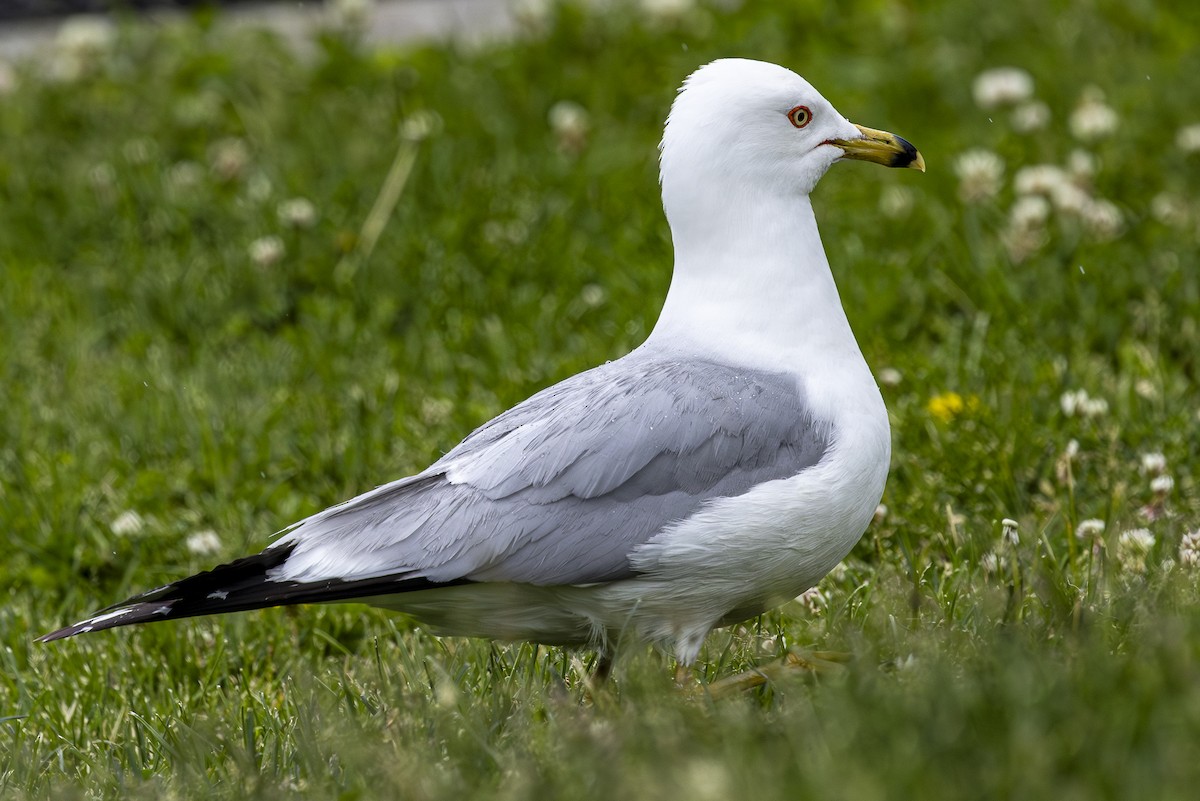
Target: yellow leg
{"x":812,"y":662}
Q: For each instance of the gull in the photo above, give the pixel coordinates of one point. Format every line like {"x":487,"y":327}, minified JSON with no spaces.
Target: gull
{"x":718,"y":470}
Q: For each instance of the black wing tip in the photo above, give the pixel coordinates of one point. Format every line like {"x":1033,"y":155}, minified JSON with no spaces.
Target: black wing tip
{"x":113,"y":617}
{"x":202,"y":593}
{"x":60,"y":634}
{"x":241,"y":586}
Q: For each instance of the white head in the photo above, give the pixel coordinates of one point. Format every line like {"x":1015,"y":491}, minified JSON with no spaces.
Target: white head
{"x":745,"y":144}
{"x":741,"y":126}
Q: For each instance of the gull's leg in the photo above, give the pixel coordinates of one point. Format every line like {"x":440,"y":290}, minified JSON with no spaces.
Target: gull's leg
{"x":813,"y":662}
{"x":601,"y":671}
{"x":598,"y":679}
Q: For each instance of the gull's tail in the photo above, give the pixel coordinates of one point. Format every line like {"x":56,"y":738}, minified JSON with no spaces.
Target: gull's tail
{"x":239,"y":586}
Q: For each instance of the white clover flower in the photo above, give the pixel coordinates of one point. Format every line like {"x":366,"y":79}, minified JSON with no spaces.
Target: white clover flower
{"x":1162,"y":485}
{"x":1069,"y":199}
{"x":258,"y":187}
{"x":533,"y":13}
{"x":127,"y":523}
{"x":350,"y":13}
{"x":1079,"y":403}
{"x":435,"y":411}
{"x":667,"y":10}
{"x":183,"y":177}
{"x":1093,"y":119}
{"x":1132,"y":548}
{"x":421,"y":125}
{"x":1139,"y":539}
{"x":204,"y":543}
{"x":980,"y":175}
{"x":1145,"y":388}
{"x":896,"y":201}
{"x":1081,"y":166}
{"x":1102,"y":219}
{"x":266,"y":250}
{"x":1153,"y":463}
{"x":1072,"y":449}
{"x":86,"y":33}
{"x":991,"y":562}
{"x":1189,"y":550}
{"x":446,"y":694}
{"x":228,"y":158}
{"x":1170,"y":209}
{"x":881,"y":513}
{"x":890,"y":377}
{"x":1094,"y":407}
{"x":1089,"y":529}
{"x":1008,"y":529}
{"x":1188,"y":138}
{"x":85,"y":37}
{"x":1069,"y":402}
{"x":297,"y":212}
{"x":1002,"y":86}
{"x":103,"y":179}
{"x":1022,"y":241}
{"x":566,"y":115}
{"x":570,"y":123}
{"x":592,"y":295}
{"x":1030,"y":117}
{"x":500,"y":234}
{"x":1052,"y":181}
{"x":1072,"y":401}
{"x":1039,"y":179}
{"x":813,"y":599}
{"x":707,"y":779}
{"x":80,"y":44}
{"x":1029,"y":211}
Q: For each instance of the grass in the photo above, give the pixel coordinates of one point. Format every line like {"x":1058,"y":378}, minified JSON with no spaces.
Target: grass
{"x":149,"y":365}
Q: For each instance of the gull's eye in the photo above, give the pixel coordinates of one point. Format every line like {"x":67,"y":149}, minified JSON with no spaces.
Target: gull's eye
{"x":800,"y":116}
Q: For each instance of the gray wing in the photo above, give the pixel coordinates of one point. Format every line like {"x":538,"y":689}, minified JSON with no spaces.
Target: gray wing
{"x":561,"y":488}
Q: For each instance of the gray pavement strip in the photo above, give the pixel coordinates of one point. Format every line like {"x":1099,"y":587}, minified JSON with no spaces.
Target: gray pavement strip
{"x":390,"y":22}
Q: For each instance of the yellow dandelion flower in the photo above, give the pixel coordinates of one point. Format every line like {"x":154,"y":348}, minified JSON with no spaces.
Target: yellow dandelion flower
{"x":946,"y":406}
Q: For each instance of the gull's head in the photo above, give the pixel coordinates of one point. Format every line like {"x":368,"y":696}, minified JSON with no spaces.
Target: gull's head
{"x":740,"y":125}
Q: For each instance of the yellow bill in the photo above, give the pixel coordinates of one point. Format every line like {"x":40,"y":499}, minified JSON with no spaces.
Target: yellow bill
{"x":883,"y":148}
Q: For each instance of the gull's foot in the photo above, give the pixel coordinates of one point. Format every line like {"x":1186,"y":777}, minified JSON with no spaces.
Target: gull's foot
{"x":683,"y":677}
{"x":811,"y":662}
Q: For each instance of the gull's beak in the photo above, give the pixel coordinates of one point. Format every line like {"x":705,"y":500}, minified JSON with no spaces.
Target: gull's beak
{"x":881,"y":147}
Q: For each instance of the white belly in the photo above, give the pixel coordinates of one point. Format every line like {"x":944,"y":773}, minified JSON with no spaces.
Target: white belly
{"x":741,"y":556}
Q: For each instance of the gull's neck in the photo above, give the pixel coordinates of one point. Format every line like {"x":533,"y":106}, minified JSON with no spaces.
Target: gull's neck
{"x":752,"y":287}
{"x":752,"y":284}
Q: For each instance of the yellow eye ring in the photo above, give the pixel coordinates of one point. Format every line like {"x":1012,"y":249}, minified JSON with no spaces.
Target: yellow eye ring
{"x":800,"y":116}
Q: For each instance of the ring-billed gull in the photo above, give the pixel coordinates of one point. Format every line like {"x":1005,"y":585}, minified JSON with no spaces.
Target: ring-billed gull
{"x":720,"y":469}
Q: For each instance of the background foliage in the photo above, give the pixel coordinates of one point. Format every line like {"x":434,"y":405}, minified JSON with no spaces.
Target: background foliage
{"x":191,"y":359}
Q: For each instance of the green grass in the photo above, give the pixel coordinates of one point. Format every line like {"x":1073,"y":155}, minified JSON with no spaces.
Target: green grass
{"x":147,"y":364}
